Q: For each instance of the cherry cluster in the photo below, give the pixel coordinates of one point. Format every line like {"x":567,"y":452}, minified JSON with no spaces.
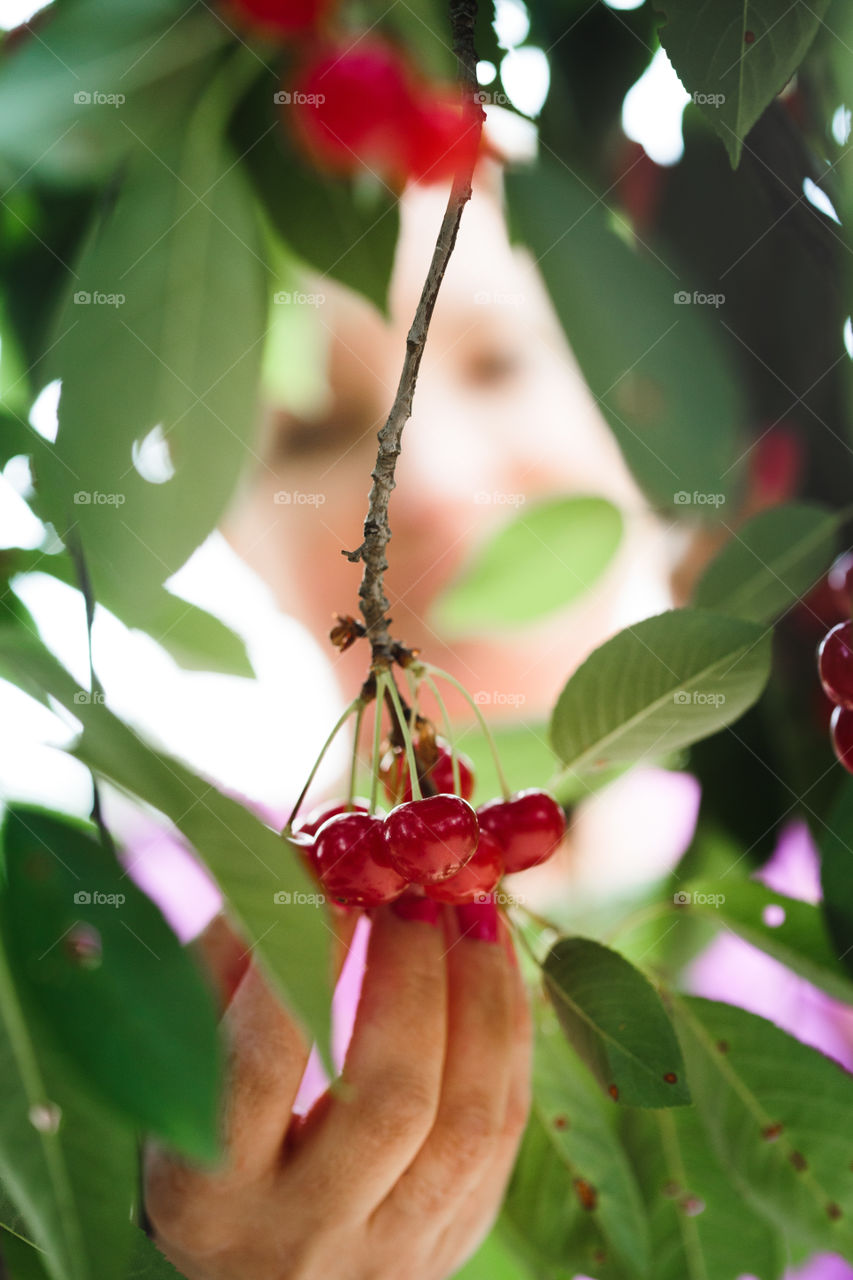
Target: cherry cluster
{"x":358,"y":104}
{"x":835,"y":666}
{"x":438,"y":844}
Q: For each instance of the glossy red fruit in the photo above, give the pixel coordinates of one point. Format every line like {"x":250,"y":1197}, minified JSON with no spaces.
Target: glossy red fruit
{"x":353,"y":862}
{"x":477,"y":878}
{"x":352,"y":108}
{"x":278,"y":18}
{"x":835,"y":664}
{"x":775,"y":467}
{"x":840,"y":582}
{"x":394,"y":772}
{"x":528,"y":827}
{"x":431,"y":839}
{"x":841,"y":732}
{"x":310,"y":825}
{"x":440,"y":139}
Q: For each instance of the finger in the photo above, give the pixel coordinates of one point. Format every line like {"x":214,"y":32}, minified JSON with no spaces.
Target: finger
{"x":383,"y":1109}
{"x":477,"y":1075}
{"x":267,"y":1056}
{"x":481,"y":1207}
{"x":224,"y":955}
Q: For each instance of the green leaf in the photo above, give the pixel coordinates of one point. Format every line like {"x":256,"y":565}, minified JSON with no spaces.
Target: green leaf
{"x":68,"y":1164}
{"x":615,"y":1020}
{"x":548,"y":556}
{"x":493,"y":1261}
{"x":540,"y":1216}
{"x":701,"y":1227}
{"x":734,"y":56}
{"x":770,"y":562}
{"x":662,"y":684}
{"x":23,"y":1260}
{"x":196,"y":639}
{"x":346,"y":229}
{"x":778,"y":1115}
{"x":128,"y":1005}
{"x":660,"y":371}
{"x":835,"y":840}
{"x":801,"y":941}
{"x":52,"y":123}
{"x":250,"y":862}
{"x":179,"y":358}
{"x":580,"y":1126}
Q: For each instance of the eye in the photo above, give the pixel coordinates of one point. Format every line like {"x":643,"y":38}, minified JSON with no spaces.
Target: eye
{"x":491,"y":367}
{"x":338,"y":430}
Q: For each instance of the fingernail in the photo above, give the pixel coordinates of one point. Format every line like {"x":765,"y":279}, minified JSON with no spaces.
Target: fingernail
{"x":413,"y":908}
{"x":479,"y":921}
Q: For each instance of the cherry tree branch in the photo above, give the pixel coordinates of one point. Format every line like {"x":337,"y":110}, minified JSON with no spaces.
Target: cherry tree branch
{"x":377,"y":530}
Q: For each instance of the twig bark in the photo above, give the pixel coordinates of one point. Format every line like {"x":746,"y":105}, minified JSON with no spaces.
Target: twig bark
{"x":377,"y":530}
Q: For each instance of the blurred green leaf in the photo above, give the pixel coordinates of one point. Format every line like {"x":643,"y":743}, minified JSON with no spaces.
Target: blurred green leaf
{"x":701,"y":1226}
{"x":770,"y":562}
{"x":343,"y":228}
{"x":615,"y":1020}
{"x":734,"y":56}
{"x":196,"y":639}
{"x":661,"y":684}
{"x":250,"y":862}
{"x":546,"y":557}
{"x":579,"y":1122}
{"x":180,"y":356}
{"x":68,"y":1164}
{"x":800,"y":940}
{"x":123,"y":998}
{"x":835,"y":841}
{"x":75,"y":97}
{"x":493,"y":1261}
{"x":778,"y":1116}
{"x":540,"y":1212}
{"x":23,"y":1260}
{"x":659,"y":371}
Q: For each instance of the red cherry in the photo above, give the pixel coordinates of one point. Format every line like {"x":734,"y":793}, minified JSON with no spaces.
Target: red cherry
{"x":431,"y":839}
{"x":477,"y":878}
{"x":440,"y":138}
{"x":310,"y":825}
{"x":353,"y":108}
{"x":394,"y":772}
{"x":775,"y":467}
{"x":280,"y":17}
{"x":841,"y":732}
{"x":528,"y":827}
{"x":835,"y":664}
{"x":353,"y":862}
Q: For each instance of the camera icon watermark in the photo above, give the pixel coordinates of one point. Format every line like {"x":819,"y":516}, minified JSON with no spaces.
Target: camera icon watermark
{"x":289,"y":297}
{"x":284,"y":98}
{"x":698,"y":698}
{"x":497,"y":298}
{"x":94,"y":497}
{"x":684,"y":499}
{"x":684,"y":898}
{"x":684,"y":298}
{"x":283,"y":898}
{"x":499,"y":698}
{"x":84,"y":98}
{"x":495,"y":99}
{"x":83,"y":298}
{"x":295,"y":498}
{"x":497,"y":498}
{"x":94,"y":898}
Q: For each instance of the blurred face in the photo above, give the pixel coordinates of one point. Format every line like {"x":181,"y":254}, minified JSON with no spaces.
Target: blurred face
{"x":501,"y":417}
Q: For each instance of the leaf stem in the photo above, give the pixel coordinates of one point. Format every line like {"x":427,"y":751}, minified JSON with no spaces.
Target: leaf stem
{"x":445,"y":675}
{"x":381,"y":678}
{"x":448,"y":732}
{"x":406,"y":730}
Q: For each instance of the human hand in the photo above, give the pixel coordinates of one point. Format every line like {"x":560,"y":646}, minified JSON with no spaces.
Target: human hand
{"x":398,"y":1172}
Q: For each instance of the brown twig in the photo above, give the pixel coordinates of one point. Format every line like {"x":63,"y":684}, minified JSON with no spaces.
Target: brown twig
{"x":377,"y":530}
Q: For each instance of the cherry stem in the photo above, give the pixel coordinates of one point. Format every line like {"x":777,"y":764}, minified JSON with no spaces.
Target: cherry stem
{"x":445,"y":675}
{"x":353,"y":706}
{"x":406,"y":731}
{"x":381,"y":678}
{"x":377,"y":531}
{"x":448,"y":732}
{"x":359,"y":716}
